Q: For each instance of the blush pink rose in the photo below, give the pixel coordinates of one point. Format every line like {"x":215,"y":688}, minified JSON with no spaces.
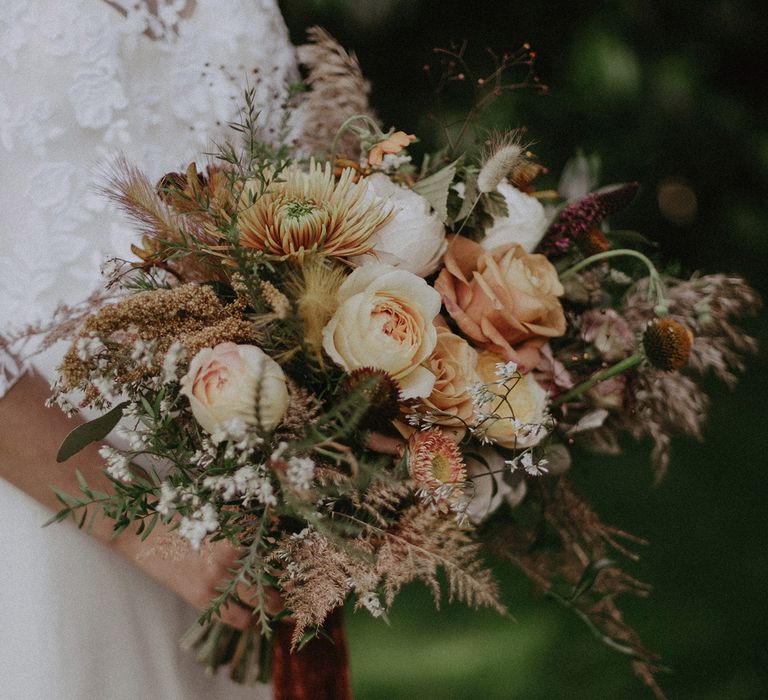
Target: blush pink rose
{"x":505,"y":300}
{"x":235,"y":384}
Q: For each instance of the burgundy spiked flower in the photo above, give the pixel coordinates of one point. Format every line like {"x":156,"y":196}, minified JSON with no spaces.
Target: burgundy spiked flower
{"x":579,"y":217}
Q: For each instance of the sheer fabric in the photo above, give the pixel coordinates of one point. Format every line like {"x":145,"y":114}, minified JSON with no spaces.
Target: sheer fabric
{"x":80,"y":81}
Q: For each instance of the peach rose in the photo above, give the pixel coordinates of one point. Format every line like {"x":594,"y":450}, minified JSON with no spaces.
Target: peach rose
{"x":385,"y":320}
{"x":505,"y":299}
{"x":453,"y":362}
{"x":235,"y":384}
{"x":520,"y":409}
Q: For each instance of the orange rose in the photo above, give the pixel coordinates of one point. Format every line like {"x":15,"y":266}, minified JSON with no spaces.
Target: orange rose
{"x":504,"y":299}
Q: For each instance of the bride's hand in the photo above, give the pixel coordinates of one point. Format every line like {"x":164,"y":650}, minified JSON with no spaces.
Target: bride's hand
{"x":197,"y":577}
{"x":29,"y":439}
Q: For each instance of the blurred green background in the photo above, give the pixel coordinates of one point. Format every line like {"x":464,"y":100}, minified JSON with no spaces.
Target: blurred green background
{"x":672,"y":94}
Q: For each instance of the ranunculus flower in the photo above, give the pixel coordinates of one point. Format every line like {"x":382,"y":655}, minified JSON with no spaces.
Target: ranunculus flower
{"x":525,"y":223}
{"x":235,"y":384}
{"x":505,"y":300}
{"x":521,"y":406}
{"x":453,"y":362}
{"x":414,"y":238}
{"x":392,"y":144}
{"x":385,"y":319}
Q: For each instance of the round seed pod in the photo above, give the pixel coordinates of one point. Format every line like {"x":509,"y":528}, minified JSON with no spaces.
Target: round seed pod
{"x":667,"y":344}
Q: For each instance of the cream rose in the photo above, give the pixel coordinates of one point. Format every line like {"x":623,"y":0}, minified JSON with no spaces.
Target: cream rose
{"x":525,"y":223}
{"x":385,"y":320}
{"x":232,"y":384}
{"x":414,"y":239}
{"x":519,"y":404}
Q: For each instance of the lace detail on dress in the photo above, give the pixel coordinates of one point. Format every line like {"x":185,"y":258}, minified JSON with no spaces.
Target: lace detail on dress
{"x":80,"y":82}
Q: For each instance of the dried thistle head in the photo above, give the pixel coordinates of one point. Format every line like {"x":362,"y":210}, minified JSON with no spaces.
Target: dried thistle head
{"x":667,"y":344}
{"x":311,"y":212}
{"x":379,"y":389}
{"x":193,"y":191}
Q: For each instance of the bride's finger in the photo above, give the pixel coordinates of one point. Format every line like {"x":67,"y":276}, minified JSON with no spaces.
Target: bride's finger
{"x":235,"y":615}
{"x":272,"y":601}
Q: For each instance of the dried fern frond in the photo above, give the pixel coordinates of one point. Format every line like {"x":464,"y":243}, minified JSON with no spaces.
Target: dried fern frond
{"x":338,"y":91}
{"x":578,"y":572}
{"x":424,"y":542}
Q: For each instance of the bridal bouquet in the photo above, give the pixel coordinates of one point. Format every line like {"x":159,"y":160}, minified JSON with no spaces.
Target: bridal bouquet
{"x":364,"y":371}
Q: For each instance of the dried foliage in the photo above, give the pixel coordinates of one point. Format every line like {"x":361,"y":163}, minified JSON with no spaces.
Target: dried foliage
{"x":190,"y":314}
{"x":338,"y":91}
{"x":578,"y":572}
{"x":163,"y":227}
{"x":395,"y":546}
{"x":665,"y":403}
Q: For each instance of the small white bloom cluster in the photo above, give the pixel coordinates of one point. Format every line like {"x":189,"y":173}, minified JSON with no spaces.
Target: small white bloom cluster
{"x":506,"y":370}
{"x":195,"y":527}
{"x":526,"y":461}
{"x":89,"y":346}
{"x":372,"y":604}
{"x":117,"y":463}
{"x":300,"y":472}
{"x":136,"y":438}
{"x":248,"y":483}
{"x":174,"y":356}
{"x":143,"y":352}
{"x":392,"y":162}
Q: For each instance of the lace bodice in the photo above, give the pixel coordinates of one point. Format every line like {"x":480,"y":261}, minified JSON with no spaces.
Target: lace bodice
{"x":82,"y":80}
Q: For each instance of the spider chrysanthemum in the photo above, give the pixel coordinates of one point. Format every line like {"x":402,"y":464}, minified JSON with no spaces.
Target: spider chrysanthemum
{"x":667,"y":344}
{"x":435,"y":464}
{"x":312,"y":212}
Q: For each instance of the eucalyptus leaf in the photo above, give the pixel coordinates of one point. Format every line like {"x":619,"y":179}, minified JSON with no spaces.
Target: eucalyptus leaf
{"x":435,"y":189}
{"x":93,"y":431}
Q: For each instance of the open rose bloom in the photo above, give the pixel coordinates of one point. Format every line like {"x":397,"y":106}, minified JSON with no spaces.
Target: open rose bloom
{"x":505,"y":299}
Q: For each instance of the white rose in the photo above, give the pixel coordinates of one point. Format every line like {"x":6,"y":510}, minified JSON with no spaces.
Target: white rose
{"x":489,"y":487}
{"x":413,"y":239}
{"x":525,"y":223}
{"x":232,"y":384}
{"x":385,"y":320}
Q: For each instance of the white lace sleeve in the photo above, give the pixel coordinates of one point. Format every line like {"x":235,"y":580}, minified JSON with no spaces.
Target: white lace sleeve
{"x":80,"y":82}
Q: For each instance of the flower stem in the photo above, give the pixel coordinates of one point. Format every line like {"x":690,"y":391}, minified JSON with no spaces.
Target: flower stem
{"x":656,"y":287}
{"x":608,"y":373}
{"x":346,"y":125}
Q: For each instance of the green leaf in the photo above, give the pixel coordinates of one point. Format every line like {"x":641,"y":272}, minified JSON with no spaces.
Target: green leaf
{"x":93,"y":431}
{"x":435,"y":189}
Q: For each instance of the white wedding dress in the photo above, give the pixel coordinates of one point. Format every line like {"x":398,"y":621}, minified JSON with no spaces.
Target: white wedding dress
{"x":79,"y":81}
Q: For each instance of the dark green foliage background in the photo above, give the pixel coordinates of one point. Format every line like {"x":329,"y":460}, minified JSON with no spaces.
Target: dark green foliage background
{"x":659,"y":90}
